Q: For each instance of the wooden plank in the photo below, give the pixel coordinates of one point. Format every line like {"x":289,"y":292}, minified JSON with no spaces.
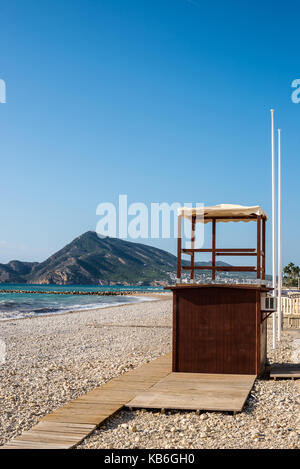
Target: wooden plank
{"x":70,"y":424}
{"x":179,"y":233}
{"x":43,"y":437}
{"x":34,"y":445}
{"x":285,"y":370}
{"x":236,"y":253}
{"x":73,"y":417}
{"x":60,"y":428}
{"x":174,"y":333}
{"x":197,"y":391}
{"x":258,"y":246}
{"x":264,"y":249}
{"x":193,"y":246}
{"x":189,"y":250}
{"x":222,"y":268}
{"x":213,"y":273}
{"x":248,"y":217}
{"x":185,"y":286}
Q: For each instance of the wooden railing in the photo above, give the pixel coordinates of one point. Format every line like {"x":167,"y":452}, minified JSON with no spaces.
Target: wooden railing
{"x":290,"y":307}
{"x":259,"y":252}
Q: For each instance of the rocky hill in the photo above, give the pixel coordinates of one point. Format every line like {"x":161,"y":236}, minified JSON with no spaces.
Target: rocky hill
{"x":89,"y":259}
{"x":15,"y":271}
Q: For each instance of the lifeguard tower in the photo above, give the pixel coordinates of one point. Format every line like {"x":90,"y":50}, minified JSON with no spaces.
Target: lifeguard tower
{"x":221,"y":327}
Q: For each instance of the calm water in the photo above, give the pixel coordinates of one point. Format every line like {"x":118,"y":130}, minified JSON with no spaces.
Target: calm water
{"x":20,"y":305}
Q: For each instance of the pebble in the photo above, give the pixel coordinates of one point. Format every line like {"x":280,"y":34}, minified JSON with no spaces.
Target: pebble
{"x":132,"y":429}
{"x":264,"y":423}
{"x":52,"y":360}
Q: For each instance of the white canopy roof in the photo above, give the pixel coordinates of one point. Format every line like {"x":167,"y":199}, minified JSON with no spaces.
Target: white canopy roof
{"x":205,"y":214}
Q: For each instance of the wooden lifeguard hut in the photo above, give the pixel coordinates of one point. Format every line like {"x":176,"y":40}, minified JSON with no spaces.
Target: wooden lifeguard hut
{"x":221,"y":327}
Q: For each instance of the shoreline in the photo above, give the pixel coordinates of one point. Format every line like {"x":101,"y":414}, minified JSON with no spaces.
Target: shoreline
{"x":155,"y":297}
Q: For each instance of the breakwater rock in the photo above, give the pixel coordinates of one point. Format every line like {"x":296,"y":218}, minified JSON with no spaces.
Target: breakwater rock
{"x":74,"y":292}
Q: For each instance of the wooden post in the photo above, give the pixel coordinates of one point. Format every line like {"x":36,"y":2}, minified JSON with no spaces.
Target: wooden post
{"x":179,"y":250}
{"x":264,"y":248}
{"x":258,"y":270}
{"x":193,"y":247}
{"x":213,"y":273}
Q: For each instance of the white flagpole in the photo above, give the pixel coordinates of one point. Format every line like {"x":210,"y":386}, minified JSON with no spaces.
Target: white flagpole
{"x":273,"y":224}
{"x":279,"y":238}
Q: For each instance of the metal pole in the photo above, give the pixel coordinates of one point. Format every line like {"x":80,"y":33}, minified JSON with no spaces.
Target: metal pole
{"x":279,"y":238}
{"x":273,"y":224}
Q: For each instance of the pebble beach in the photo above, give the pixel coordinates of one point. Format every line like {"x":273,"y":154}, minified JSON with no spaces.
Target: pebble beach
{"x":51,"y":360}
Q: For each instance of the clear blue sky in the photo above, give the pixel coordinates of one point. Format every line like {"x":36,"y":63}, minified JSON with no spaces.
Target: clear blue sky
{"x":163,"y":100}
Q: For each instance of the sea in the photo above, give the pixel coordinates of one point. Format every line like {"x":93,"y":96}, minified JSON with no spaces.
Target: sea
{"x":21,"y":305}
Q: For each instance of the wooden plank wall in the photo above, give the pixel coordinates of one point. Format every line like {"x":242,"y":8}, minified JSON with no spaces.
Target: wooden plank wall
{"x":217,"y":330}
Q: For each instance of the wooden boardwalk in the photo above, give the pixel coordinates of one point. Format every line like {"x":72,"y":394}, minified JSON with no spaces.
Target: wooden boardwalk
{"x":69,"y":425}
{"x":197,"y":391}
{"x":152,"y":385}
{"x":285,"y":371}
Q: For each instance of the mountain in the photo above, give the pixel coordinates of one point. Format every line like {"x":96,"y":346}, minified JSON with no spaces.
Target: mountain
{"x":90,"y":259}
{"x":15,"y":271}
